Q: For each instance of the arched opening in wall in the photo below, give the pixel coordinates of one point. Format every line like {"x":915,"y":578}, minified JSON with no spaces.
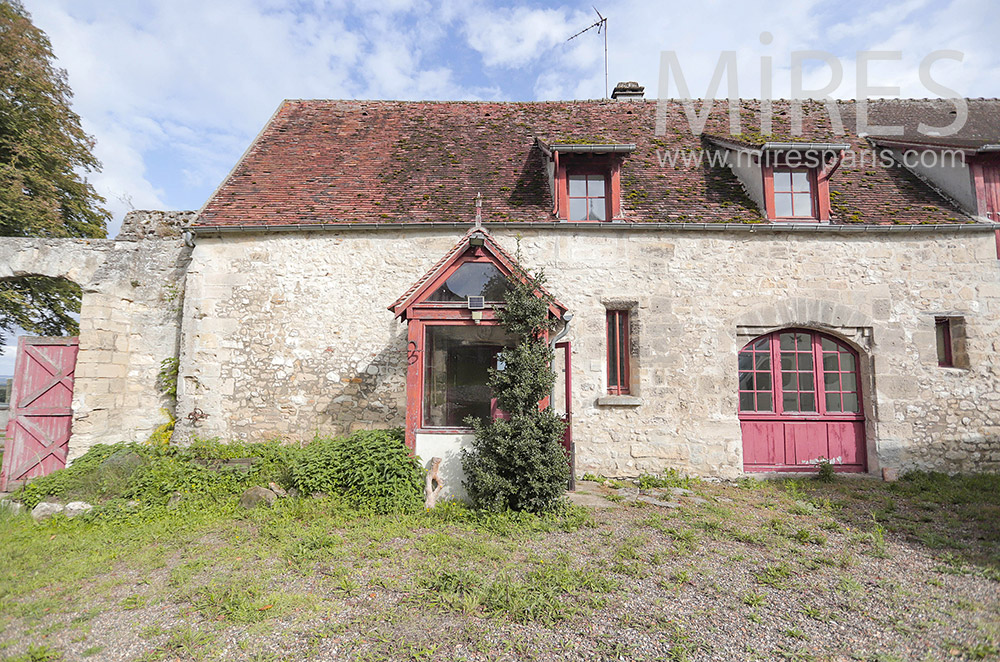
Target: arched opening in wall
{"x":39,"y":323}
{"x":800,"y":401}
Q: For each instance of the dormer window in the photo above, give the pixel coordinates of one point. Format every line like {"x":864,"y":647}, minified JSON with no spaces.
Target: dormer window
{"x":797,"y":179}
{"x":588,"y":200}
{"x":794,"y":193}
{"x":585,"y":179}
{"x":789,"y":181}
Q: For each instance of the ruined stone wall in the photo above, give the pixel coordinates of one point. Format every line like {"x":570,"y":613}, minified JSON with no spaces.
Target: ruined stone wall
{"x":129,"y":319}
{"x":288,"y":335}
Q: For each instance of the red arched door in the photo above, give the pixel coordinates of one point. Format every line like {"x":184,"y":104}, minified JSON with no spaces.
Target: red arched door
{"x":800,"y":400}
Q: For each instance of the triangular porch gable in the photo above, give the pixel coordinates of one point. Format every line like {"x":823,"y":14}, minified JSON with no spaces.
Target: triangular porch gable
{"x":435,"y":277}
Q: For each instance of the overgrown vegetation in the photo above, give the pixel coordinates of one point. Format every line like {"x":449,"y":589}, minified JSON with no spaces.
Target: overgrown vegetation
{"x":518,"y":462}
{"x":368,"y":469}
{"x":166,"y":378}
{"x":150,"y":475}
{"x":825,"y":471}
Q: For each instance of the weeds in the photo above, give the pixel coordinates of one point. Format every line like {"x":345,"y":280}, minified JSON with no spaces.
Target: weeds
{"x":548,"y":593}
{"x":876,"y":537}
{"x":825,"y":473}
{"x":474,"y":579}
{"x":775,"y":575}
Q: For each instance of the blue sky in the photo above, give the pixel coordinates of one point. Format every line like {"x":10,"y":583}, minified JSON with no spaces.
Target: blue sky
{"x":174,"y":91}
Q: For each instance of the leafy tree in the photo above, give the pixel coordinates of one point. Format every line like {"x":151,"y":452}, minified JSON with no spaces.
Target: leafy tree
{"x":519,"y":463}
{"x":43,"y":151}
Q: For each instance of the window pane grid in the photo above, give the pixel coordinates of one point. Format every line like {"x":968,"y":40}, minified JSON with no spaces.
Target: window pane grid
{"x":840,"y":378}
{"x":797,"y":384}
{"x":618,"y":352}
{"x":756,"y":386}
{"x":812,"y":375}
{"x":587,"y":198}
{"x":793,"y":197}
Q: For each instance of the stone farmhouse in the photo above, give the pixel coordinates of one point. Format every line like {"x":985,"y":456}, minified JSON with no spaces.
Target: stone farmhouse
{"x":729,"y":302}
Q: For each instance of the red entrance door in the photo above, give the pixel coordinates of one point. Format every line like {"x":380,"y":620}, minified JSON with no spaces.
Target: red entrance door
{"x":40,"y":409}
{"x":800,"y":401}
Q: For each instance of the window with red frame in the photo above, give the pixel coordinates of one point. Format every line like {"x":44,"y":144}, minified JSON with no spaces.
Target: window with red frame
{"x":799,"y":372}
{"x":618,"y":352}
{"x":794,"y":194}
{"x":588,"y":199}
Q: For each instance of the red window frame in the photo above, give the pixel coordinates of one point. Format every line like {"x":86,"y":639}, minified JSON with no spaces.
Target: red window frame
{"x":942,"y":331}
{"x":810,"y":190}
{"x":421,"y":313}
{"x":819,"y":185}
{"x":617,"y":328}
{"x":586,"y":196}
{"x":764,"y":356}
{"x":576,"y":164}
{"x":985,"y":172}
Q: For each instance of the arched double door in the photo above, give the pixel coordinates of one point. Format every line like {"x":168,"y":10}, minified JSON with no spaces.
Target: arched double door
{"x":800,"y":401}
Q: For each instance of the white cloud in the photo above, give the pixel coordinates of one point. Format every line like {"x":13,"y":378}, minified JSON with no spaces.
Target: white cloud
{"x":513,"y":37}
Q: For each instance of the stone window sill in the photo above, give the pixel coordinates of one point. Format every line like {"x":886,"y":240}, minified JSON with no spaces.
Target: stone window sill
{"x":619,"y":401}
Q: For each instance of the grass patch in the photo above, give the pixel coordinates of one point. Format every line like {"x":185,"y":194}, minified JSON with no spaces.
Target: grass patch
{"x":338,"y":581}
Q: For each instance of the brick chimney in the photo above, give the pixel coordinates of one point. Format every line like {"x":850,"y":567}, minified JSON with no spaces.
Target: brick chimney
{"x":628,"y":91}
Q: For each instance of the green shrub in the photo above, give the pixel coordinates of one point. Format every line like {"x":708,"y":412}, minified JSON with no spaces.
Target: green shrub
{"x":369,"y":469}
{"x":520,"y":463}
{"x":516,"y":464}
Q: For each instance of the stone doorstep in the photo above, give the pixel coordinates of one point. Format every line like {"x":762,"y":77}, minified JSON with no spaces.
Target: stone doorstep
{"x":780,"y":475}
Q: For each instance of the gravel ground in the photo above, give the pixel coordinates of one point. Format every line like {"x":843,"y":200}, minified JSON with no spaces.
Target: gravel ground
{"x":723,"y":572}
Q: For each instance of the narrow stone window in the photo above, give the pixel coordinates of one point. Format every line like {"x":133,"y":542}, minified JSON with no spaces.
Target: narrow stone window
{"x":618,"y":352}
{"x":952,"y":350}
{"x":945,"y":353}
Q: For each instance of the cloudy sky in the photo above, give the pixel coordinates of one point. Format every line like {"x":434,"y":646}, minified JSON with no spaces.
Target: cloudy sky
{"x":175,"y":90}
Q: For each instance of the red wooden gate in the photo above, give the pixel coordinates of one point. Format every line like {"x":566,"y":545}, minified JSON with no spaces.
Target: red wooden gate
{"x":800,"y":400}
{"x":40,"y":409}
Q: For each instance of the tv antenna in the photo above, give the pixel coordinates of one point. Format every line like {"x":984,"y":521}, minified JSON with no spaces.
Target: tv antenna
{"x":601,"y":24}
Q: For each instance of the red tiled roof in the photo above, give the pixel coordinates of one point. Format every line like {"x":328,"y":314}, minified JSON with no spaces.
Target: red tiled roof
{"x":320,"y":162}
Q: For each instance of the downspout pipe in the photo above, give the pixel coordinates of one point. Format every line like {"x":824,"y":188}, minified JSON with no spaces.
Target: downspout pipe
{"x":567,"y":318}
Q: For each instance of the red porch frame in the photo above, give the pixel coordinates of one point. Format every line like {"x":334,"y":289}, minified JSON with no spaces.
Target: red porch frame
{"x":420,"y":313}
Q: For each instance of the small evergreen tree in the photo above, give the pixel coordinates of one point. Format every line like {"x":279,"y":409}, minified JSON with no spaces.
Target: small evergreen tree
{"x":519,"y":463}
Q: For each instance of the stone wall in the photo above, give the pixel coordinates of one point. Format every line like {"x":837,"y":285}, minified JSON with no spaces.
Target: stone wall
{"x":288,"y":335}
{"x":129,"y":319}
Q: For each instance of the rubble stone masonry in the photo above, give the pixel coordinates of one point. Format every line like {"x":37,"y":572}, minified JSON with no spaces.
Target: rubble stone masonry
{"x":288,"y":336}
